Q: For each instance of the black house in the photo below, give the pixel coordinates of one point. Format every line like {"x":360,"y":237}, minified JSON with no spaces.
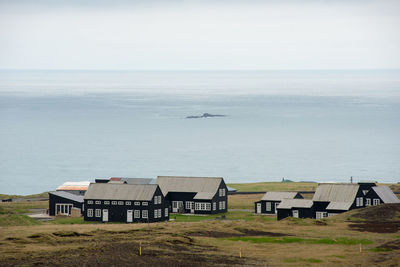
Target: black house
{"x":380,"y":195}
{"x":270,"y":201}
{"x":366,"y":186}
{"x":196,"y":195}
{"x":334,"y":198}
{"x":294,"y":207}
{"x":61,"y":203}
{"x":119,"y":202}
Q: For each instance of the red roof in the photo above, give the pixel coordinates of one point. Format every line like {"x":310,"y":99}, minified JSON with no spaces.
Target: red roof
{"x":115,"y":179}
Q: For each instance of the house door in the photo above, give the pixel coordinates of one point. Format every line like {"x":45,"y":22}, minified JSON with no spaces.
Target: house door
{"x":276,"y":207}
{"x":105,"y":215}
{"x":174,"y":206}
{"x":258,"y":207}
{"x":129,"y":216}
{"x":295,"y":213}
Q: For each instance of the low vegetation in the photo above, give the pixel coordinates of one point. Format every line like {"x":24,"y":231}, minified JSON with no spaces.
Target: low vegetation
{"x":275,"y":186}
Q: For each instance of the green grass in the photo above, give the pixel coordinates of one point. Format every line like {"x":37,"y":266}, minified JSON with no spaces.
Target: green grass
{"x":336,"y":241}
{"x":21,"y":207}
{"x":233,"y":215}
{"x":4,"y":196}
{"x":16,"y":220}
{"x":274,"y":186}
{"x":378,"y":249}
{"x":293,"y":260}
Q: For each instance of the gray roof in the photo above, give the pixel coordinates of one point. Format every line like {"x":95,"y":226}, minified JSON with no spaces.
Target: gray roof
{"x":288,"y":203}
{"x":386,"y":194}
{"x":138,"y":180}
{"x":121,"y":191}
{"x":278,"y":196}
{"x":68,"y":195}
{"x":205,"y":187}
{"x":339,"y":205}
{"x":336,"y":192}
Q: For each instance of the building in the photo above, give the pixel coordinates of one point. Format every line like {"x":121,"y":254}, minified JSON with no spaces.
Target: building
{"x":119,"y":202}
{"x":334,"y":198}
{"x":380,"y":195}
{"x":62,"y":203}
{"x":295,"y":207}
{"x":366,"y":186}
{"x":196,"y":195}
{"x":77,"y":188}
{"x":270,"y":201}
{"x":127,"y":180}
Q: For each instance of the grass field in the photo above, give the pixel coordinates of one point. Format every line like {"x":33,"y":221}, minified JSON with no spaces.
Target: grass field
{"x":274,"y":186}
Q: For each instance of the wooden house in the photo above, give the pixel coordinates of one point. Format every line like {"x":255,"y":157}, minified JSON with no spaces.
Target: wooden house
{"x":119,"y":202}
{"x":62,"y":203}
{"x":196,"y":195}
{"x":295,"y":207}
{"x":334,"y":198}
{"x":270,"y":201}
{"x":379,"y":195}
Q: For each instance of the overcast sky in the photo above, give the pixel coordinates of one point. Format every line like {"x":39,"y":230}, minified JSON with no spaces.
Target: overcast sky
{"x":199,"y":35}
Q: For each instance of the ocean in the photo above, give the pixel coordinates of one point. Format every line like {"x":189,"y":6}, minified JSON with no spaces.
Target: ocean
{"x":322,"y":126}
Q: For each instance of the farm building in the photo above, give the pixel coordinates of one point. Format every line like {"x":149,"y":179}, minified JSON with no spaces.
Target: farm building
{"x":334,"y":198}
{"x":270,"y":201}
{"x":119,"y":202}
{"x":77,"y":188}
{"x":197,"y":195}
{"x":62,"y":203}
{"x":380,"y":195}
{"x":295,"y":207}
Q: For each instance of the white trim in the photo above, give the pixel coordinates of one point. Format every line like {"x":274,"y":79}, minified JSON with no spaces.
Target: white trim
{"x":98,"y":213}
{"x":90,"y":213}
{"x":145,"y":214}
{"x":137,"y":214}
{"x":268,"y":206}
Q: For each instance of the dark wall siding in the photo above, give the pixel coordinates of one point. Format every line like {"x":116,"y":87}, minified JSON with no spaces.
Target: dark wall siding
{"x":53,"y":200}
{"x":303,"y":213}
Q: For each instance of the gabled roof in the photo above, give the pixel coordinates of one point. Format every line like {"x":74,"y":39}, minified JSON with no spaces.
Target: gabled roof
{"x":288,"y":203}
{"x":204,"y":187}
{"x":121,"y":191}
{"x":386,"y":194}
{"x":67,"y":195}
{"x":336,"y":192}
{"x":339,"y":205}
{"x":138,"y":180}
{"x":69,"y":186}
{"x":278,"y":196}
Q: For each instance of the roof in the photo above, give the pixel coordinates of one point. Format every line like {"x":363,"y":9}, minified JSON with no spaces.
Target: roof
{"x":138,"y":180}
{"x":67,"y":195}
{"x":336,"y":192}
{"x":386,"y":194}
{"x":288,"y":203}
{"x":79,"y":186}
{"x":205,"y":187}
{"x":278,"y":196}
{"x":121,"y":191}
{"x":339,"y":205}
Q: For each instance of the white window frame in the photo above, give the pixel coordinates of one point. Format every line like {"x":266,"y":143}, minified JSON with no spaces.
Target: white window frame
{"x":197,"y":205}
{"x":367,"y":202}
{"x":268,"y":206}
{"x":98,"y":202}
{"x":214,"y":205}
{"x":137,"y":203}
{"x":145,"y":214}
{"x":159,"y":199}
{"x":166,"y":211}
{"x":376,"y":201}
{"x":106,"y":202}
{"x":145,"y":203}
{"x":155,"y":214}
{"x":136,"y":214}
{"x":90,"y":201}
{"x":155,"y":200}
{"x":89,"y":212}
{"x":120,"y":203}
{"x":114,"y":202}
{"x":223,"y":192}
{"x":128,"y":203}
{"x":189,"y":205}
{"x":208,"y":206}
{"x":98,"y":213}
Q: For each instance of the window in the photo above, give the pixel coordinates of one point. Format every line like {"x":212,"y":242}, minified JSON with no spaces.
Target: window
{"x":137,"y":203}
{"x":214,"y":205}
{"x":202,"y":206}
{"x":268,"y":206}
{"x":359,"y":201}
{"x":114,"y":202}
{"x":368,"y":202}
{"x":222,"y":205}
{"x":208,"y":206}
{"x":377,"y":201}
{"x":189,"y":205}
{"x":331,"y":214}
{"x":223,"y":192}
{"x":98,"y":202}
{"x":321,"y":214}
{"x":128,"y":203}
{"x":145,"y":214}
{"x":145,"y":203}
{"x":159,"y":213}
{"x":90,"y":201}
{"x":166,"y":212}
{"x":98,"y":212}
{"x":155,"y":214}
{"x":120,"y":203}
{"x":155,"y":200}
{"x":106,"y":202}
{"x":159,"y":199}
{"x":90,"y":212}
{"x":136,"y":213}
{"x":197,"y":206}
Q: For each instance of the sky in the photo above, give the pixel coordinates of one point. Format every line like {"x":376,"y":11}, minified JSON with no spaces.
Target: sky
{"x":199,"y":35}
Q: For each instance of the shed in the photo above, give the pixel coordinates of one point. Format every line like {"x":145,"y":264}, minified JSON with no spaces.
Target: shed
{"x":197,"y":195}
{"x":269,"y":202}
{"x":297,"y":208}
{"x":61,"y":202}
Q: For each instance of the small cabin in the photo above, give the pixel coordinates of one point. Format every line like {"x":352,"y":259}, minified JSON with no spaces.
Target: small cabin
{"x":380,"y":195}
{"x":119,"y":202}
{"x":296,"y":208}
{"x":196,"y":195}
{"x":270,"y":201}
{"x":63,"y":203}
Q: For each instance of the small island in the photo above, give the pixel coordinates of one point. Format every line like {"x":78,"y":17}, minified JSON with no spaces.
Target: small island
{"x":205,"y":115}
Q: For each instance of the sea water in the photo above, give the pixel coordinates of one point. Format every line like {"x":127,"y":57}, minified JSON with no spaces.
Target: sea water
{"x":59,"y":126}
